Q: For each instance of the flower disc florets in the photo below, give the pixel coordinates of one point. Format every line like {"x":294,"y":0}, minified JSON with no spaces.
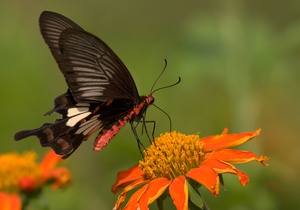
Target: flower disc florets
{"x":171,"y":155}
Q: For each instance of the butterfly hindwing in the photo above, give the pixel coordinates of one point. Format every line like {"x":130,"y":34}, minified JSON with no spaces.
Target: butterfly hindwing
{"x":62,"y":135}
{"x":79,"y":122}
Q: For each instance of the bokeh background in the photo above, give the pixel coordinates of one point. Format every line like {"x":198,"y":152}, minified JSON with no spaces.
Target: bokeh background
{"x":239,"y":63}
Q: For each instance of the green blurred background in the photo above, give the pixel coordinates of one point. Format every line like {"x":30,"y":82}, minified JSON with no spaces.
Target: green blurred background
{"x":239,"y":63}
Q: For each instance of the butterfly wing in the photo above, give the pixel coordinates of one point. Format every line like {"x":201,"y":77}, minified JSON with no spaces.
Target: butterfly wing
{"x":93,"y":72}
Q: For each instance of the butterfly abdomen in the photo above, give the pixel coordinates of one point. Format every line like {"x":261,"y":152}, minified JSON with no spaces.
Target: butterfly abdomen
{"x":107,"y":133}
{"x":110,"y":130}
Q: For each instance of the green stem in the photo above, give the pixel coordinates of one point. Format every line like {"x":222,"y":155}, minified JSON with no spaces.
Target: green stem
{"x":160,"y":203}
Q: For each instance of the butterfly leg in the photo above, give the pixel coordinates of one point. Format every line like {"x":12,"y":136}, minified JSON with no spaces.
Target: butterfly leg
{"x":144,"y":127}
{"x":139,"y":143}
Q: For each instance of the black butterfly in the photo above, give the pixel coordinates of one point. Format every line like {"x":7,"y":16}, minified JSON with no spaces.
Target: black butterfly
{"x":101,"y":95}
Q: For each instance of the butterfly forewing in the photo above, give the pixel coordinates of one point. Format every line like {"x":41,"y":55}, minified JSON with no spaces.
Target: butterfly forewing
{"x":82,"y":56}
{"x":93,"y":72}
{"x":51,"y":26}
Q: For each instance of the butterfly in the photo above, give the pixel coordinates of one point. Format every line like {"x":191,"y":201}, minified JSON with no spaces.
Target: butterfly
{"x":101,"y":94}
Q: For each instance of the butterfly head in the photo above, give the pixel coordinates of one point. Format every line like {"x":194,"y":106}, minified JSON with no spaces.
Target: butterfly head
{"x":150,"y":99}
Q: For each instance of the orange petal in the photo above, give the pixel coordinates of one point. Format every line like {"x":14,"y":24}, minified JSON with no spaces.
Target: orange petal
{"x":155,"y":188}
{"x":179,"y":193}
{"x":206,"y":176}
{"x":10,"y":201}
{"x":222,"y":167}
{"x":235,"y":156}
{"x":61,"y":177}
{"x":133,"y":201}
{"x":134,"y":184}
{"x":49,"y":161}
{"x":125,"y":177}
{"x":225,"y":140}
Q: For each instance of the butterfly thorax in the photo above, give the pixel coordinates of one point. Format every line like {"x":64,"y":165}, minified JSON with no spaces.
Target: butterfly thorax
{"x":140,"y":108}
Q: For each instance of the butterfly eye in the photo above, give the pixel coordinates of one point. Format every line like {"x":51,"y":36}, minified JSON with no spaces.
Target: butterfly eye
{"x":150,"y":99}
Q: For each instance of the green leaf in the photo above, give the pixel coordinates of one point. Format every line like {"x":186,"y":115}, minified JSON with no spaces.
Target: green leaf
{"x":222,"y":181}
{"x":195,"y":198}
{"x":160,"y":201}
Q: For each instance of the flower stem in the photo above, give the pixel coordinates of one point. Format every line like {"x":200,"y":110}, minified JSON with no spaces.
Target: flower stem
{"x":160,"y":203}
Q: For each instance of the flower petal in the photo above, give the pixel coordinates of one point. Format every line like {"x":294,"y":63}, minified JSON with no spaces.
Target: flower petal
{"x":125,"y":177}
{"x":49,"y":162}
{"x":222,"y":167}
{"x":206,"y":176}
{"x":227,"y":140}
{"x":156,"y":187}
{"x":122,"y":196}
{"x":10,"y":201}
{"x":179,"y":193}
{"x":61,"y":177}
{"x":235,"y":156}
{"x":133,"y":201}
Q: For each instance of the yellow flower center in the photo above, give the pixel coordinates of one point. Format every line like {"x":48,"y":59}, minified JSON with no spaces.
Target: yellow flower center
{"x":14,"y":166}
{"x":172,"y":154}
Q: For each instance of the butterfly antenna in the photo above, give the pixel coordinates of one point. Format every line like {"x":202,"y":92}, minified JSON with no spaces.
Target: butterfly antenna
{"x":165,"y":67}
{"x":168,"y":86}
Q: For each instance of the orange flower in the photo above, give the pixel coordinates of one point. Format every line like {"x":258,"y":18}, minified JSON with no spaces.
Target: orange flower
{"x":182,"y":163}
{"x":20,"y":173}
{"x":10,"y":201}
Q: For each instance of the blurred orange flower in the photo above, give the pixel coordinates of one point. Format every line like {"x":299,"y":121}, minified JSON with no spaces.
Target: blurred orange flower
{"x":182,"y":163}
{"x":10,"y":201}
{"x":21,"y":174}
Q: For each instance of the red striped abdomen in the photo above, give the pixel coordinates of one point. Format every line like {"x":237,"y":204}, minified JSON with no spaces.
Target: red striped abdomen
{"x":109,"y":131}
